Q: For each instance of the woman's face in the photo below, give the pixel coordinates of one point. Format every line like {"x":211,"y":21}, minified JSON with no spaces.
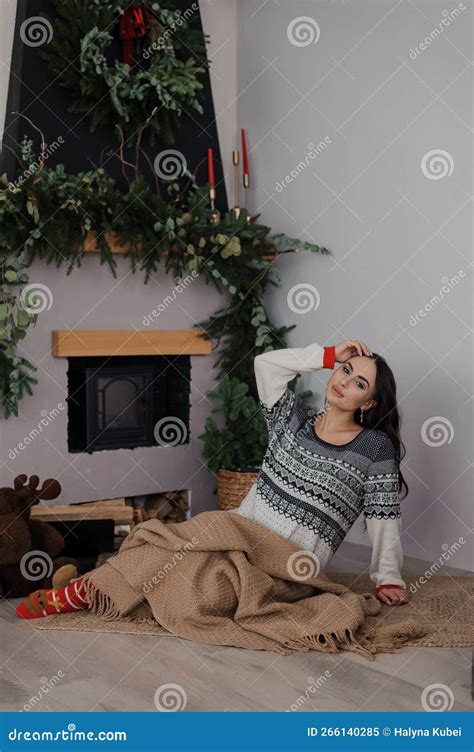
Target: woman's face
{"x":352,"y":384}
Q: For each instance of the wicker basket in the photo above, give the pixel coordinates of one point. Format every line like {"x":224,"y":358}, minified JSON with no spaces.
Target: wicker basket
{"x":233,"y":487}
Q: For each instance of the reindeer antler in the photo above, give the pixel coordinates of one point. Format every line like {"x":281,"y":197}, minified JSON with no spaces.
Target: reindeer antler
{"x":50,"y":490}
{"x":33,"y":483}
{"x":20,"y":481}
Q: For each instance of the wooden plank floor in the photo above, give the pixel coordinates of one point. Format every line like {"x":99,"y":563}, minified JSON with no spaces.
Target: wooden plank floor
{"x":58,"y":670}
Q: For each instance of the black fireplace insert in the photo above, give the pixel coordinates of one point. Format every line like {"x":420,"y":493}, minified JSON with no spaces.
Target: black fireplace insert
{"x":128,"y":401}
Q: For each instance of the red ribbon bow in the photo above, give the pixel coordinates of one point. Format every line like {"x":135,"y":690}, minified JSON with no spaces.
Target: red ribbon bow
{"x":132,"y":26}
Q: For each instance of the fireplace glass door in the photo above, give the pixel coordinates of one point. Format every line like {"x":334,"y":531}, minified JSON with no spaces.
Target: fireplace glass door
{"x":119,"y":407}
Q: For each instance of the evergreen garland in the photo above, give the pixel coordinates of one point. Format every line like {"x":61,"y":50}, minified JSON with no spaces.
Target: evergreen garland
{"x":50,"y":213}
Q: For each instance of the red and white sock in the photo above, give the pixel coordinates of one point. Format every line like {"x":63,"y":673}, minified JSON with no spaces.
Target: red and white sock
{"x":71,"y":597}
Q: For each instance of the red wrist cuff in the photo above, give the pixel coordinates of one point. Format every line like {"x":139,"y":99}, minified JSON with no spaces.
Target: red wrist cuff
{"x":379,"y":587}
{"x":329,"y":356}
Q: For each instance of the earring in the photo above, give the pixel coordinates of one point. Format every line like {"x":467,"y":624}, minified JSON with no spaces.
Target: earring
{"x":361,"y":415}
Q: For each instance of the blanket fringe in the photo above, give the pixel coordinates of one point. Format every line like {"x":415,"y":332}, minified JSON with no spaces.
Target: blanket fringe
{"x":102,"y":605}
{"x":368,"y":641}
{"x":333,"y":642}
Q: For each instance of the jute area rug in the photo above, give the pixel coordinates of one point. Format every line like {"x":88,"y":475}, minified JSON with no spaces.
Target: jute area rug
{"x":443,"y":605}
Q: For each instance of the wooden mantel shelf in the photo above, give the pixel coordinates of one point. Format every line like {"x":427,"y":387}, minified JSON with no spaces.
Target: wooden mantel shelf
{"x":75,"y":343}
{"x":90,"y":246}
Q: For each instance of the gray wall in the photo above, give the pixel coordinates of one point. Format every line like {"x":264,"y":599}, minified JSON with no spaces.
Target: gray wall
{"x":7,"y":14}
{"x":376,"y":106}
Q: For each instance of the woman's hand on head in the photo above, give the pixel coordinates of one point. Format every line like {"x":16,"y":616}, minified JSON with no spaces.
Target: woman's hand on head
{"x":351,"y":348}
{"x":392,"y":596}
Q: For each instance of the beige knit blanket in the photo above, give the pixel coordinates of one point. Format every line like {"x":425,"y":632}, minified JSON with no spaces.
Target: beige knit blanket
{"x":222,"y":579}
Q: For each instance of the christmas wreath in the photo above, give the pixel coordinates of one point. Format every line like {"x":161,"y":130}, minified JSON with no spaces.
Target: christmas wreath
{"x":122,"y":60}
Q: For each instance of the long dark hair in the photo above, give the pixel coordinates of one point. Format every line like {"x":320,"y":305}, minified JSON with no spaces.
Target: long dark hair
{"x":385,"y":416}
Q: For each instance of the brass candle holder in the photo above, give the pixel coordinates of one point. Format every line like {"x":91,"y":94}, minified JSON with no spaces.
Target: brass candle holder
{"x":215,"y":216}
{"x":235,"y":162}
{"x":246,"y":183}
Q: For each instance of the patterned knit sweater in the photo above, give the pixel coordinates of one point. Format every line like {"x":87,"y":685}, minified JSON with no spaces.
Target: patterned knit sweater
{"x":310,"y":491}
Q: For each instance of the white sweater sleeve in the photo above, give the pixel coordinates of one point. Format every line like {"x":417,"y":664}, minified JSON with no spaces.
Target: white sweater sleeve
{"x":383,"y":517}
{"x":275,"y":368}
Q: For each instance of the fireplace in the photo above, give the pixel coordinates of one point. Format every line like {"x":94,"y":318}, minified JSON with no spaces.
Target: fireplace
{"x":128,"y":401}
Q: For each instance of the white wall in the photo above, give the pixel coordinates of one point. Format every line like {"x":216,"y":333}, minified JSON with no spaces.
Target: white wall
{"x":394,"y":233}
{"x":7,"y":14}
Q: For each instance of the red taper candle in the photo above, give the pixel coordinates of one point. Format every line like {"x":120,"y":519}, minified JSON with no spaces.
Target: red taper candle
{"x":245,"y":158}
{"x":210,"y":168}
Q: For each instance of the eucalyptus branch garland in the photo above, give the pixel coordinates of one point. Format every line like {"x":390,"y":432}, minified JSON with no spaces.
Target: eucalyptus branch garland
{"x":49,"y":214}
{"x":16,"y":315}
{"x":169,"y":61}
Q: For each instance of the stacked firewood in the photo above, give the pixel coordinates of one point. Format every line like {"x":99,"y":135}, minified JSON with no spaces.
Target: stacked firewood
{"x":167,"y":506}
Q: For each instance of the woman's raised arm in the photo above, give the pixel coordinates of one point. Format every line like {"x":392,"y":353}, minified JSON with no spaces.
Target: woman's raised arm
{"x":275,"y":368}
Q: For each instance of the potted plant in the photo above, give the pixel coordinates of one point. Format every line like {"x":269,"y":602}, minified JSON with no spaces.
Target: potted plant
{"x":234,"y":452}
